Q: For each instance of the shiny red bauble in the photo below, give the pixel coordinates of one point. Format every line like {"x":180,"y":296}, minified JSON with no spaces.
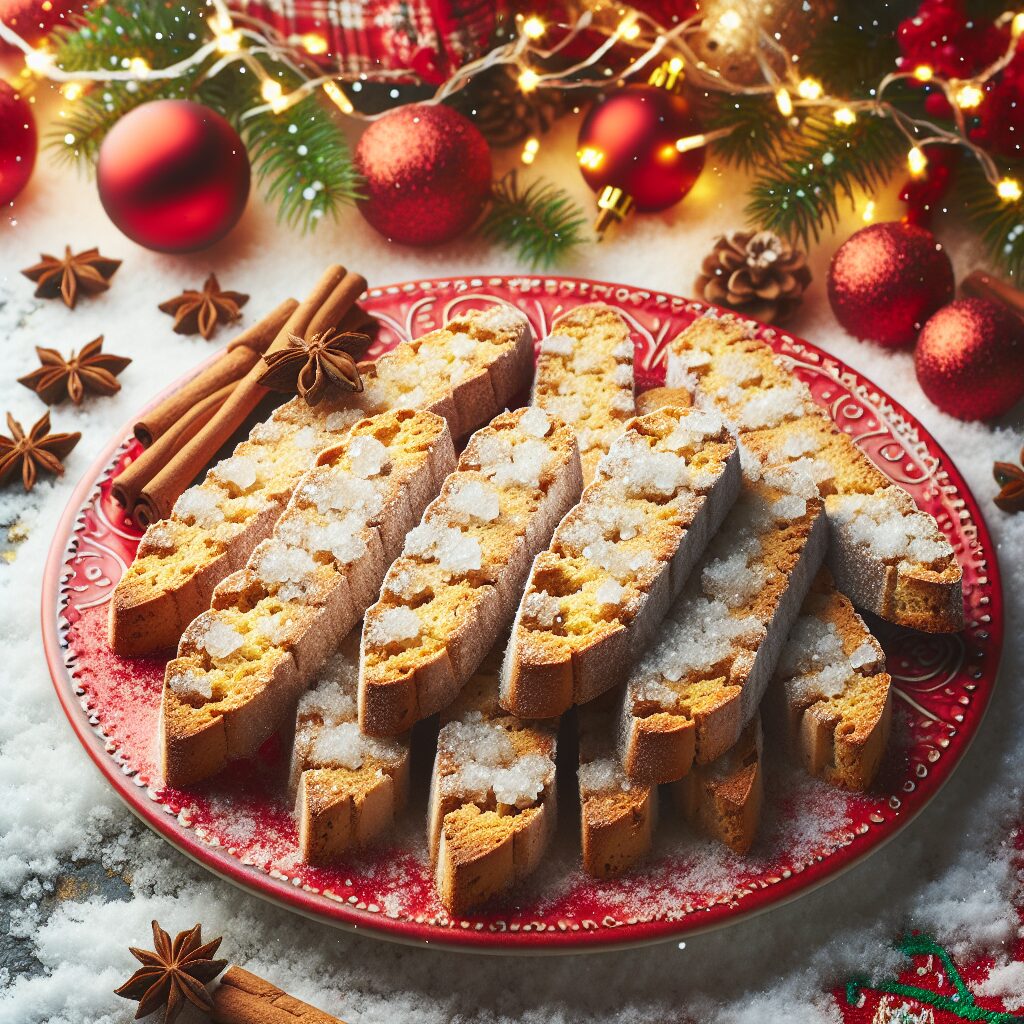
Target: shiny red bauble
{"x":628,"y":141}
{"x":34,"y":19}
{"x":173,"y":176}
{"x":886,"y":280}
{"x":427,"y":174}
{"x":970,"y":359}
{"x":18,"y":143}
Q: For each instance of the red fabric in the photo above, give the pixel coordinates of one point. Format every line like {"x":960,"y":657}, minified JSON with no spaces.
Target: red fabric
{"x":431,"y":37}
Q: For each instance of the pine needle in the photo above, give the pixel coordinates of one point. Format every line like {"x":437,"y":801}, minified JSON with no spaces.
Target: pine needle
{"x":541,"y":222}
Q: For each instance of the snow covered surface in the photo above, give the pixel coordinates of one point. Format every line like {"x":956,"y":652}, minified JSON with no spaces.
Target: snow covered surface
{"x":81,"y":878}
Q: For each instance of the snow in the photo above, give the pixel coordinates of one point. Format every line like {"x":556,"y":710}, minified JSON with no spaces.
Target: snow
{"x":59,"y":817}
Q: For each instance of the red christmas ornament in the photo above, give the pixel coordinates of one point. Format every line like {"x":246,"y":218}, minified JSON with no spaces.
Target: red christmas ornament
{"x":923,"y":195}
{"x":427,"y":174}
{"x":970,"y":359}
{"x":173,"y":176}
{"x":18,"y":143}
{"x":886,"y":280}
{"x":34,"y":19}
{"x":627,"y":149}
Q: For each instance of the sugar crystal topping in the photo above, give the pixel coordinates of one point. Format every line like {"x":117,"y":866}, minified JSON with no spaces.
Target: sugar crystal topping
{"x":342,"y":745}
{"x":542,"y":608}
{"x":470,"y":499}
{"x":452,"y":549}
{"x":393,"y":626}
{"x":219,"y":639}
{"x":367,"y":456}
{"x":191,"y":684}
{"x":641,"y":468}
{"x":888,"y":532}
{"x":237,"y":470}
{"x":558,"y":345}
{"x":609,"y":592}
{"x":200,"y":506}
{"x":534,"y":422}
{"x":284,"y":563}
{"x":600,"y":777}
{"x":814,"y":663}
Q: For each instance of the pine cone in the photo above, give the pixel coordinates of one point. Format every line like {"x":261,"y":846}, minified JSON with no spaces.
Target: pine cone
{"x":756,"y":273}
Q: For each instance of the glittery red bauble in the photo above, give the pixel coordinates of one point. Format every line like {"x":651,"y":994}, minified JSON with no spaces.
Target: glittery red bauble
{"x":427,"y":172}
{"x":970,"y":359}
{"x":173,"y":176}
{"x":18,"y":143}
{"x":628,"y":141}
{"x":886,"y":280}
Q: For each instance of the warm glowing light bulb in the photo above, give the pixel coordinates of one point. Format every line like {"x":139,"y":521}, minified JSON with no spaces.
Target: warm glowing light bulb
{"x":730,"y":21}
{"x":1017,"y":25}
{"x":629,"y":28}
{"x":1009,"y":189}
{"x":810,"y":89}
{"x":916,"y":161}
{"x":869,"y":211}
{"x":784,"y":101}
{"x":691,"y":142}
{"x":229,"y":42}
{"x":590,"y":158}
{"x":923,"y":73}
{"x":675,"y":65}
{"x":72,"y":90}
{"x":38,"y":60}
{"x":530,"y":149}
{"x":533,"y":27}
{"x":314,"y":43}
{"x":139,"y":65}
{"x":844,"y":116}
{"x":528,"y":79}
{"x":270,"y":90}
{"x":968,"y":96}
{"x":338,"y":97}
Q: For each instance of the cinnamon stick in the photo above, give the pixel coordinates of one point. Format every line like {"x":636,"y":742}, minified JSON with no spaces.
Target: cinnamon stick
{"x":241,"y":354}
{"x":332,"y":297}
{"x":980,"y":285}
{"x":129,"y":482}
{"x":244,"y":998}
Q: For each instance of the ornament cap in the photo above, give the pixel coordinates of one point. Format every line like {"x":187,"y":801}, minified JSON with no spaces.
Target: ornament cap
{"x":613,"y":204}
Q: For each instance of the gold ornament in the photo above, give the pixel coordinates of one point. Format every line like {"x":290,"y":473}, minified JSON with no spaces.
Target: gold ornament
{"x":730,"y":37}
{"x":756,"y":273}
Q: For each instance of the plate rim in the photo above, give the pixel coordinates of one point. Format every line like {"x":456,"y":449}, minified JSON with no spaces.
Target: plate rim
{"x":423,"y":934}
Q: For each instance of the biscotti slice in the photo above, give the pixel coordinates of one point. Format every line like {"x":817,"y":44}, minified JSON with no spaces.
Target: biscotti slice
{"x":658,"y":398}
{"x":617,"y":816}
{"x":886,"y":555}
{"x":242,"y":665}
{"x":618,"y":559}
{"x":701,"y":681}
{"x":724,"y":798}
{"x":347,"y":788}
{"x":492,"y":796}
{"x":466,"y":372}
{"x":455,"y":588}
{"x":832,"y":691}
{"x":584,"y":376}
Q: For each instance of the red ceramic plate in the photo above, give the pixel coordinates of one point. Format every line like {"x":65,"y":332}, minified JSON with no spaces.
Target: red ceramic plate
{"x":240,"y":825}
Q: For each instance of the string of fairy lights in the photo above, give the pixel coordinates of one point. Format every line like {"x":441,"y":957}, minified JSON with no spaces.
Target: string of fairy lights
{"x":235,"y":37}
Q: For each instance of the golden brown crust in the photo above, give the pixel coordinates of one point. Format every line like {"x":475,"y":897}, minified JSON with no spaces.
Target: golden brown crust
{"x":687,"y":701}
{"x":455,"y":587}
{"x":617,"y":817}
{"x":838,"y":727}
{"x":723,"y":364}
{"x":492,"y":797}
{"x":242,"y":665}
{"x":659,"y":398}
{"x":216,"y":525}
{"x":584,"y":376}
{"x":724,"y":798}
{"x":617,"y":560}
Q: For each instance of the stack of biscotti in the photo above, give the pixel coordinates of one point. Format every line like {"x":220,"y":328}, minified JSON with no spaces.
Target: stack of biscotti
{"x":831,"y":690}
{"x":724,"y":798}
{"x":492,"y":796}
{"x":584,"y":376}
{"x":242,"y":665}
{"x":688,"y":699}
{"x":466,"y":372}
{"x":617,"y":816}
{"x":618,"y":559}
{"x":455,"y":588}
{"x":886,"y":555}
{"x":348,"y":788}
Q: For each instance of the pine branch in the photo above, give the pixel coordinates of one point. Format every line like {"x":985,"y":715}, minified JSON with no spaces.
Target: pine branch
{"x":758,"y":134}
{"x":800,"y":196}
{"x":541,"y":222}
{"x":997,"y":221}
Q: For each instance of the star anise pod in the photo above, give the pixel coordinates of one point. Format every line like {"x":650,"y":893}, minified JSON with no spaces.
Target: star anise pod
{"x":173,"y":972}
{"x":1011,"y":482}
{"x":38,"y":449}
{"x":82,"y":272}
{"x":311,"y":368}
{"x":91,"y":370}
{"x":200,"y":312}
